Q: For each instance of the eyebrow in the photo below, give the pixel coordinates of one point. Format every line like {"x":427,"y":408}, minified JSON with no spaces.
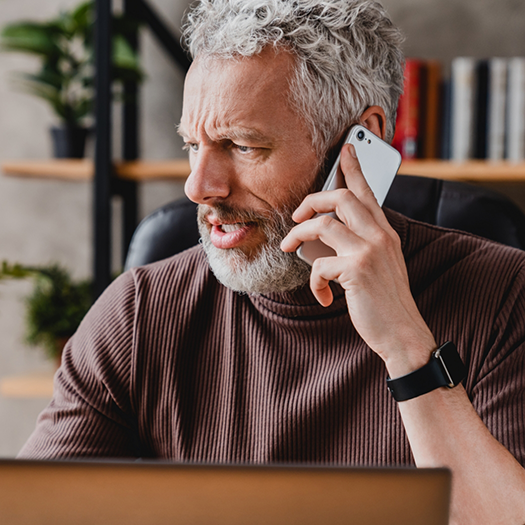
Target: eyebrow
{"x":235,"y":133}
{"x":180,"y":130}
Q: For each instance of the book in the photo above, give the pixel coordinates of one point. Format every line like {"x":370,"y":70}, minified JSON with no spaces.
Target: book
{"x":446,"y":119}
{"x":497,"y":108}
{"x":462,"y":100}
{"x":408,"y":112}
{"x":515,"y":128}
{"x":430,"y":110}
{"x":481,"y":106}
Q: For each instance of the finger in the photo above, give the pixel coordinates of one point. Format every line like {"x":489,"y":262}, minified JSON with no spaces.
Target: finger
{"x":357,"y":184}
{"x":321,"y":202}
{"x":346,"y":206}
{"x":353,"y":174}
{"x":321,"y":290}
{"x":324,"y":270}
{"x":329,"y":230}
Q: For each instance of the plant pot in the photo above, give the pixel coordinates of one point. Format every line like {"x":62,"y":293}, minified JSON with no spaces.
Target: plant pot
{"x":69,"y":141}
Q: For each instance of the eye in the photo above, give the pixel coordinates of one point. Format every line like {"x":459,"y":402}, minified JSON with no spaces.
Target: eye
{"x":243,"y":149}
{"x":191,"y":146}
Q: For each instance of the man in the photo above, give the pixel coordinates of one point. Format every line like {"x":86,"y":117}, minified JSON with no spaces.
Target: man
{"x":173,"y":362}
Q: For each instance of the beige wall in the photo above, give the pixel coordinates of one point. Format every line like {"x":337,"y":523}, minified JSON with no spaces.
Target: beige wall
{"x":48,"y":221}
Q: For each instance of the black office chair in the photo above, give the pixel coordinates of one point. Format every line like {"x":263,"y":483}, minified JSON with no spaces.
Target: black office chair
{"x":173,"y":228}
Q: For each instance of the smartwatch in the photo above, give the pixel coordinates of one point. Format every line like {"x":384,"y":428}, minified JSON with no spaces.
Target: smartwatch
{"x":445,"y":368}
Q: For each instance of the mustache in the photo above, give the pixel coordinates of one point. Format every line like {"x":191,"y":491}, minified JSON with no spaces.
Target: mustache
{"x":227,"y":213}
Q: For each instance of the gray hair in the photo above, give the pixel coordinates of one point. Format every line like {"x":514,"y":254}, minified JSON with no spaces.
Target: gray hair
{"x":348,"y":54}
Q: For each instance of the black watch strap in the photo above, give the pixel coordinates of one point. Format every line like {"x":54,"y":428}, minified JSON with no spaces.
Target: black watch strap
{"x":445,"y":368}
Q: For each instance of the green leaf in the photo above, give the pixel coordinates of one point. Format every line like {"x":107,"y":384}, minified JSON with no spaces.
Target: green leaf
{"x":49,"y":78}
{"x":123,"y":54}
{"x":125,"y":61}
{"x":14,"y":271}
{"x":56,"y":307}
{"x":38,"y":86}
{"x":29,"y":37}
{"x":47,"y":93}
{"x":83,"y":16}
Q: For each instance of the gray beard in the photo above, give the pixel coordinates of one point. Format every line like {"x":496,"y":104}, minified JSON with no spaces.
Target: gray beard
{"x":270,"y":270}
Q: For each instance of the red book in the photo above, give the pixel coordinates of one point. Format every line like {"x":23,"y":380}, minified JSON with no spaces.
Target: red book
{"x":408,"y":112}
{"x":430,"y":104}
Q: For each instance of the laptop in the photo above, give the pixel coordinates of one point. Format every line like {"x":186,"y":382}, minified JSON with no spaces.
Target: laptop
{"x":158,"y":493}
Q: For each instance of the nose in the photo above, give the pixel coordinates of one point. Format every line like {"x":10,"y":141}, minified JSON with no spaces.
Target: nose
{"x":210,"y":176}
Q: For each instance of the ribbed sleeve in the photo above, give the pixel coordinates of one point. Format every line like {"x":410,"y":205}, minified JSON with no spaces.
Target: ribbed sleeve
{"x":91,"y":412}
{"x":171,"y":364}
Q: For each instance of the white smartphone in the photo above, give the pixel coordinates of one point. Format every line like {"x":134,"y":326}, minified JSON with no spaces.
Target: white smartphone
{"x":379,"y":162}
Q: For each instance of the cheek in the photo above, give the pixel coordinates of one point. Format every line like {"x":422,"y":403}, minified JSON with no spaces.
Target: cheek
{"x":283,"y":178}
{"x":289,"y":184}
{"x":302,"y":175}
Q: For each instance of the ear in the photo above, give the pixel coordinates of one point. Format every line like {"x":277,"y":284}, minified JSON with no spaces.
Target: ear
{"x":374,"y":119}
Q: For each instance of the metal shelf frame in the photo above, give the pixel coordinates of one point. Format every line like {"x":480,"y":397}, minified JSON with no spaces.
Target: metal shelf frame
{"x":106,"y":185}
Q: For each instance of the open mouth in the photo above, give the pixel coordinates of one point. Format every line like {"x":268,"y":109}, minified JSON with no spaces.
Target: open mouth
{"x":233,"y":235}
{"x":228,"y":228}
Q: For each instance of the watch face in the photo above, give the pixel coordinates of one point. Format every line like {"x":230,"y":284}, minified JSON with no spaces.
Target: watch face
{"x":454,"y":369}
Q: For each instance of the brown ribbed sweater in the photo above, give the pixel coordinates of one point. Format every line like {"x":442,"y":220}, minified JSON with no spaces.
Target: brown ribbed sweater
{"x":171,"y":364}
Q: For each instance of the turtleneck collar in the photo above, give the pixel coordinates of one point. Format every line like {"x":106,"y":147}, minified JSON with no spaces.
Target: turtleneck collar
{"x":301,"y":303}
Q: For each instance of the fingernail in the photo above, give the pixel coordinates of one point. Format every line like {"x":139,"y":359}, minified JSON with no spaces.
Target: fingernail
{"x":352,"y":151}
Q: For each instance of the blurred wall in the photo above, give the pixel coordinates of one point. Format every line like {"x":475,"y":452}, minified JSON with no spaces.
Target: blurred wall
{"x":45,"y":221}
{"x":444,"y":29}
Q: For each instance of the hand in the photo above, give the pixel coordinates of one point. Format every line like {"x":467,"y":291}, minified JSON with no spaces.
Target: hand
{"x":369,"y":266}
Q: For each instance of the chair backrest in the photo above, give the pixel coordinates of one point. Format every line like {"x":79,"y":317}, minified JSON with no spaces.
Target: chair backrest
{"x":475,"y":209}
{"x":165,"y":232}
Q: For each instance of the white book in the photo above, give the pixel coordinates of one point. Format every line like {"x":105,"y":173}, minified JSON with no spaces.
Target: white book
{"x":516,"y":110}
{"x":462,"y":118}
{"x":497,"y":108}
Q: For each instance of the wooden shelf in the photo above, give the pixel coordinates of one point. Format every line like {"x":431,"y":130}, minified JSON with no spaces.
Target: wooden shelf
{"x":143,"y":171}
{"x":153,"y":170}
{"x":470,"y":171}
{"x":83,"y":170}
{"x":28,"y":386}
{"x":75,"y":170}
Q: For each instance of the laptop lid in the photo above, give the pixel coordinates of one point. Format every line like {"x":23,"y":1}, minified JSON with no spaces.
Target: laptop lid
{"x":152,"y":493}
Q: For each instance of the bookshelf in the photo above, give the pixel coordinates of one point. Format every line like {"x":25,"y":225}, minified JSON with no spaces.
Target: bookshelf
{"x":477,"y":171}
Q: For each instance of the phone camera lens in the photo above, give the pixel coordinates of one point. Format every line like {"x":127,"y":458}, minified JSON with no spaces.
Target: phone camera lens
{"x":360,"y":135}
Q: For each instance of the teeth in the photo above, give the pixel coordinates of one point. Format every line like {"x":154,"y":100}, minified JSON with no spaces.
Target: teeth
{"x":227,"y":228}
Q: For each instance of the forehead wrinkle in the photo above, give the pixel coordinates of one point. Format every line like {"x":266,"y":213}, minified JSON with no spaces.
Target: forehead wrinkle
{"x":243,"y":133}
{"x":218,"y":127}
{"x":211,"y":112}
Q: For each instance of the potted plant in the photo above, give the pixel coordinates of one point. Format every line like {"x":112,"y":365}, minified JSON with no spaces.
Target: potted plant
{"x":65,"y":80}
{"x":55,"y":307}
